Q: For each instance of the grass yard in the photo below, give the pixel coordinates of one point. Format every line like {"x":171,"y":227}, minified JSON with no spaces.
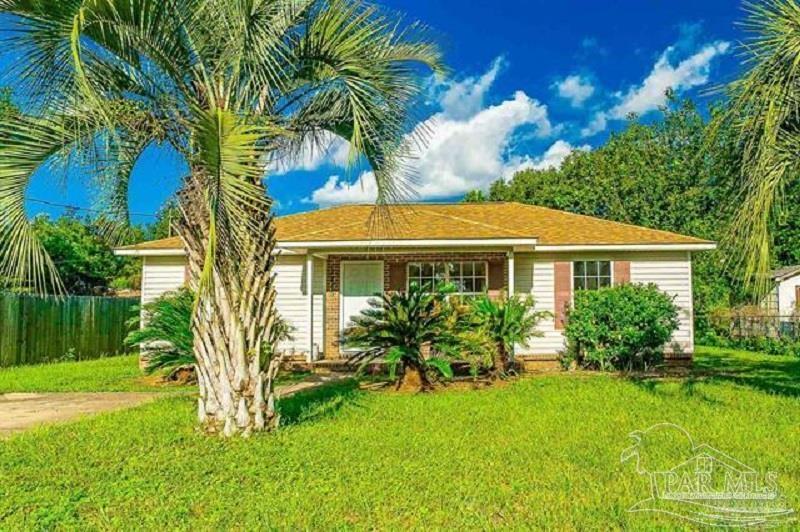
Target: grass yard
{"x":541,"y":452}
{"x":111,"y":374}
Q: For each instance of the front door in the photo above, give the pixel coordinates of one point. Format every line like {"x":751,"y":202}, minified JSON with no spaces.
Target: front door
{"x":361,"y":281}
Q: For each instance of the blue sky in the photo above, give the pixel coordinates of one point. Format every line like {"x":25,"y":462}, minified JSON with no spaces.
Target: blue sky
{"x":530,"y":80}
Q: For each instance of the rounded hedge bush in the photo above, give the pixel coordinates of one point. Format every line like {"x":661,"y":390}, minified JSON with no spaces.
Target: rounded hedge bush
{"x":623,"y":327}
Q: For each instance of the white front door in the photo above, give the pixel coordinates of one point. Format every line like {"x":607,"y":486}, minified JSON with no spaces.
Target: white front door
{"x":361,"y":281}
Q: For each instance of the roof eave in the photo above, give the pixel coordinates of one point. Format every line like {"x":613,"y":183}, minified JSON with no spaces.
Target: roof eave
{"x":123,"y":252}
{"x":678,"y":246}
{"x":411,"y":243}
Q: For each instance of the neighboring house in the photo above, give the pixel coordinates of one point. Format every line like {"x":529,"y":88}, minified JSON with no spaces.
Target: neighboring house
{"x":784,"y":297}
{"x":332,"y":261}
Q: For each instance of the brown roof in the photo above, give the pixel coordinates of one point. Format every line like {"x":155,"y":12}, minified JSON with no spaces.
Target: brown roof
{"x":453,"y":222}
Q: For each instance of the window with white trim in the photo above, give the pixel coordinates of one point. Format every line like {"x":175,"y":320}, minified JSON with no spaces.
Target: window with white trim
{"x":469,"y":277}
{"x":591,"y":274}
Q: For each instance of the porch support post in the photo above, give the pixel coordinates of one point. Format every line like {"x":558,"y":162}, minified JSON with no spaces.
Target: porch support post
{"x":511,"y":277}
{"x":310,"y":304}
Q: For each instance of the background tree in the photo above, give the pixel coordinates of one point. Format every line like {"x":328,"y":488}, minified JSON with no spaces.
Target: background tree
{"x":84,"y":260}
{"x":669,"y":174}
{"x":7,"y":107}
{"x":233,"y":86}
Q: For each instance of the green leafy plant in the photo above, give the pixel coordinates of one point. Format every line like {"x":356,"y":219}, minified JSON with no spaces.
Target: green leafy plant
{"x":508,"y":321}
{"x":400,"y":327}
{"x":166,"y":335}
{"x":234,"y":88}
{"x":468,"y":339}
{"x":764,"y":109}
{"x":623,"y":327}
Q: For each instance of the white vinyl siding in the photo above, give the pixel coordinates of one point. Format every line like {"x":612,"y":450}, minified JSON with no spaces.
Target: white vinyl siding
{"x":786,"y":296}
{"x":166,"y":274}
{"x":536,"y":276}
{"x":292,"y":304}
{"x":161,"y":275}
{"x":670,"y":271}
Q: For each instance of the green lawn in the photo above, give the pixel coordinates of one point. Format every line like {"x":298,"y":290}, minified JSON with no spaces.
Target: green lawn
{"x":112,"y":374}
{"x":541,"y":452}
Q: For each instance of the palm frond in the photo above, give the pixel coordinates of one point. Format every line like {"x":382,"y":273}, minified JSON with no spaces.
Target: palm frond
{"x":26,"y":144}
{"x":765,"y":111}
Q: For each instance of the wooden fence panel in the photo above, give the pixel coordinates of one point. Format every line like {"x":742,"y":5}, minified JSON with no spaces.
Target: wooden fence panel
{"x":35,"y":329}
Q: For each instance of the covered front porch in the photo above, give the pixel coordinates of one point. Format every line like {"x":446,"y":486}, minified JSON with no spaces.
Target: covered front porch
{"x":352,"y":278}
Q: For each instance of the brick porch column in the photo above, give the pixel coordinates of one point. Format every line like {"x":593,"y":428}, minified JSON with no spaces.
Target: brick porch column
{"x":332,"y":288}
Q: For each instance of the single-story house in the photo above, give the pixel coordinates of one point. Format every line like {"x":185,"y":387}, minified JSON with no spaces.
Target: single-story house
{"x":784,"y":298}
{"x":332,"y":261}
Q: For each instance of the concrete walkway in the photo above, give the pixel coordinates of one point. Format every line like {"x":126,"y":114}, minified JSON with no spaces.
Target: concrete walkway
{"x":21,"y":411}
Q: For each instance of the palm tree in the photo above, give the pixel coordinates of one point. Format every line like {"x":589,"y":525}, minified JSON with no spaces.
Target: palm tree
{"x":166,"y":334}
{"x":399,"y":327}
{"x":509,"y":321}
{"x":233,"y":86}
{"x":764,"y":111}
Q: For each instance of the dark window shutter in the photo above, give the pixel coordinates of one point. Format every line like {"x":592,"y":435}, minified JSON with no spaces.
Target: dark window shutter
{"x":622,"y":272}
{"x":397,"y":277}
{"x":563,"y":292}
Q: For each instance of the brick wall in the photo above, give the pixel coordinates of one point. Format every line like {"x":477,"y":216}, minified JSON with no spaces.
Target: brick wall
{"x":394,"y":278}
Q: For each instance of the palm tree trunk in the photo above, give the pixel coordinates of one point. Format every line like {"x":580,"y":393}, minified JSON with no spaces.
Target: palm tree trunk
{"x":500,"y":363}
{"x":231,"y":323}
{"x":414,"y":378}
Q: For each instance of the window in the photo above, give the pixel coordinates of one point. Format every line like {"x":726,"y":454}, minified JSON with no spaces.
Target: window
{"x":591,"y":274}
{"x":469,"y":277}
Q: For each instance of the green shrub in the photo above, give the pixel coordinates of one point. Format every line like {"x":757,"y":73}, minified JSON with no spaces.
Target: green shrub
{"x":167,"y":331}
{"x":508,"y":321}
{"x":623,"y":327}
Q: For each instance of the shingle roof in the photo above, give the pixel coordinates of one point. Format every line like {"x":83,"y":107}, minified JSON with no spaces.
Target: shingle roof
{"x":786,"y":271}
{"x":456,"y":221}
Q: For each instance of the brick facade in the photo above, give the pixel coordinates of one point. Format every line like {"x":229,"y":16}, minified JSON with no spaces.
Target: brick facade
{"x":394,"y":279}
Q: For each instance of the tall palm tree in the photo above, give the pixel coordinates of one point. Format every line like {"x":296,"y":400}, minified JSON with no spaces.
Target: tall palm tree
{"x":764,"y":111}
{"x":233,"y":86}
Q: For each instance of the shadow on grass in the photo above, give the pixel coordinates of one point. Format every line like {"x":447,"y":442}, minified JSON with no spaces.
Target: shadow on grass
{"x":319,"y":403}
{"x":771,"y":374}
{"x":778,"y":375}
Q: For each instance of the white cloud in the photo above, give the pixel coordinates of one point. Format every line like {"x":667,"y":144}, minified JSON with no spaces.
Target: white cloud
{"x":651,"y":93}
{"x":463,"y":99}
{"x":596,"y":125}
{"x":553,"y":157}
{"x":463,"y":150}
{"x":689,"y":73}
{"x":575,"y":88}
{"x":328,"y":149}
{"x":336,"y":190}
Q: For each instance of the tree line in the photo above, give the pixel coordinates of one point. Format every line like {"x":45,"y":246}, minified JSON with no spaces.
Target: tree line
{"x":680,"y":173}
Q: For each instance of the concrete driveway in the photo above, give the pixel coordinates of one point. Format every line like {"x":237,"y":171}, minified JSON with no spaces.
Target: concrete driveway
{"x":21,"y":411}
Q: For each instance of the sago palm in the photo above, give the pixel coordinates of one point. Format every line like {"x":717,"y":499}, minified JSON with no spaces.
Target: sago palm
{"x":399,"y":327}
{"x":233,"y":86}
{"x":765,"y":112}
